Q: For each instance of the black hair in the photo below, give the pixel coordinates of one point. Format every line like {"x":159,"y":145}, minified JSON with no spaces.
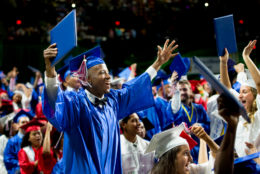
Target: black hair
{"x":25,"y":141}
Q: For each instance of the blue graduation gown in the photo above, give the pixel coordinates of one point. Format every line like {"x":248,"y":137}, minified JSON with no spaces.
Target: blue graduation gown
{"x":161,"y":106}
{"x":199,"y":116}
{"x":59,"y":167}
{"x":34,"y":101}
{"x":11,"y":154}
{"x":91,"y":134}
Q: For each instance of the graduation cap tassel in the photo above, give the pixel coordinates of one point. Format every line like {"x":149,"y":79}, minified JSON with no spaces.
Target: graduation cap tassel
{"x":82,"y":73}
{"x":58,"y":142}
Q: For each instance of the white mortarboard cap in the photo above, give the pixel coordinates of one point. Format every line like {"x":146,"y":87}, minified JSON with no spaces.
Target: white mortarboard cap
{"x":29,"y":85}
{"x":248,"y":74}
{"x":19,"y":92}
{"x":166,"y":140}
{"x":250,"y":83}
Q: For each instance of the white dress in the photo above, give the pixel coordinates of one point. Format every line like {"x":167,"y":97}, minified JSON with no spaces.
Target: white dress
{"x":216,"y":121}
{"x":249,"y":133}
{"x":204,"y":168}
{"x":3,"y":142}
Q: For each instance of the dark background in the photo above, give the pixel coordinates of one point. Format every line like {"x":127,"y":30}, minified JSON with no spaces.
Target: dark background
{"x":144,"y":24}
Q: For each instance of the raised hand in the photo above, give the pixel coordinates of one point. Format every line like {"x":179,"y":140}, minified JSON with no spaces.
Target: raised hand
{"x":165,"y":53}
{"x":50,"y":53}
{"x":225,"y":57}
{"x":198,"y":131}
{"x":248,"y":49}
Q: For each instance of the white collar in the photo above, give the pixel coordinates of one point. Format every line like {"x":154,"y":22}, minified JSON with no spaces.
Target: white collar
{"x":92,"y":97}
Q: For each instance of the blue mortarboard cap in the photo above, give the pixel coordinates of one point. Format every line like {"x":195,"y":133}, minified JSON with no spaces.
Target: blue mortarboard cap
{"x":180,"y":65}
{"x":143,"y":118}
{"x":164,"y":82}
{"x":125,"y":73}
{"x":245,"y":165}
{"x":64,"y":72}
{"x":68,"y":59}
{"x":161,"y":75}
{"x":93,"y":60}
{"x":94,"y":57}
{"x":20,"y":114}
{"x":64,"y":34}
{"x":236,"y":86}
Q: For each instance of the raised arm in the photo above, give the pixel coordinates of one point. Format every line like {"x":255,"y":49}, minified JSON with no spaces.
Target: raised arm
{"x":164,"y":54}
{"x":199,"y":132}
{"x":51,"y":82}
{"x":50,"y":53}
{"x":224,"y":78}
{"x":224,"y":163}
{"x":250,"y":64}
{"x":46,"y":149}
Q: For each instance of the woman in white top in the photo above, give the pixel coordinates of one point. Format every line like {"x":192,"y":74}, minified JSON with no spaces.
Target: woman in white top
{"x":247,"y":133}
{"x":133,"y":146}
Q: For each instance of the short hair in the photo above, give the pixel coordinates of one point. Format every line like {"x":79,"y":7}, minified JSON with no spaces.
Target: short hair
{"x":184,"y":82}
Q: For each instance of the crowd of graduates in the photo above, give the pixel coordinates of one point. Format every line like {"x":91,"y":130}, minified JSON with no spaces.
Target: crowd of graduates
{"x":151,"y":123}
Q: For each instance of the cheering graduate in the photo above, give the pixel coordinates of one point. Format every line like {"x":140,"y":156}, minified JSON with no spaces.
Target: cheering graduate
{"x":14,"y":144}
{"x":184,"y":110}
{"x":33,"y":156}
{"x":172,"y":148}
{"x":249,"y":97}
{"x":89,"y":118}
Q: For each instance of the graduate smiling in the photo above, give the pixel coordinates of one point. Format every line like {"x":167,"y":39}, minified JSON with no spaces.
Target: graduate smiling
{"x":89,"y":117}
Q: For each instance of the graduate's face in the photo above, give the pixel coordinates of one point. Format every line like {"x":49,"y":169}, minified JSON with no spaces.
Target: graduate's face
{"x":246,"y":97}
{"x":73,"y":82}
{"x":99,"y":79}
{"x":207,"y":87}
{"x":168,"y":91}
{"x":35,"y":138}
{"x":185,"y":91}
{"x":133,"y":125}
{"x":183,"y":160}
{"x":154,"y":90}
{"x":141,"y":130}
{"x":23,"y":121}
{"x":17,"y":98}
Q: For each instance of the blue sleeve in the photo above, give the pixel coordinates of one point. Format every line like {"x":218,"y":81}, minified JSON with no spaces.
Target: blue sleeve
{"x":66,"y":112}
{"x":58,"y":168}
{"x":34,"y":100}
{"x":135,"y":95}
{"x":163,"y":109}
{"x":11,"y":158}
